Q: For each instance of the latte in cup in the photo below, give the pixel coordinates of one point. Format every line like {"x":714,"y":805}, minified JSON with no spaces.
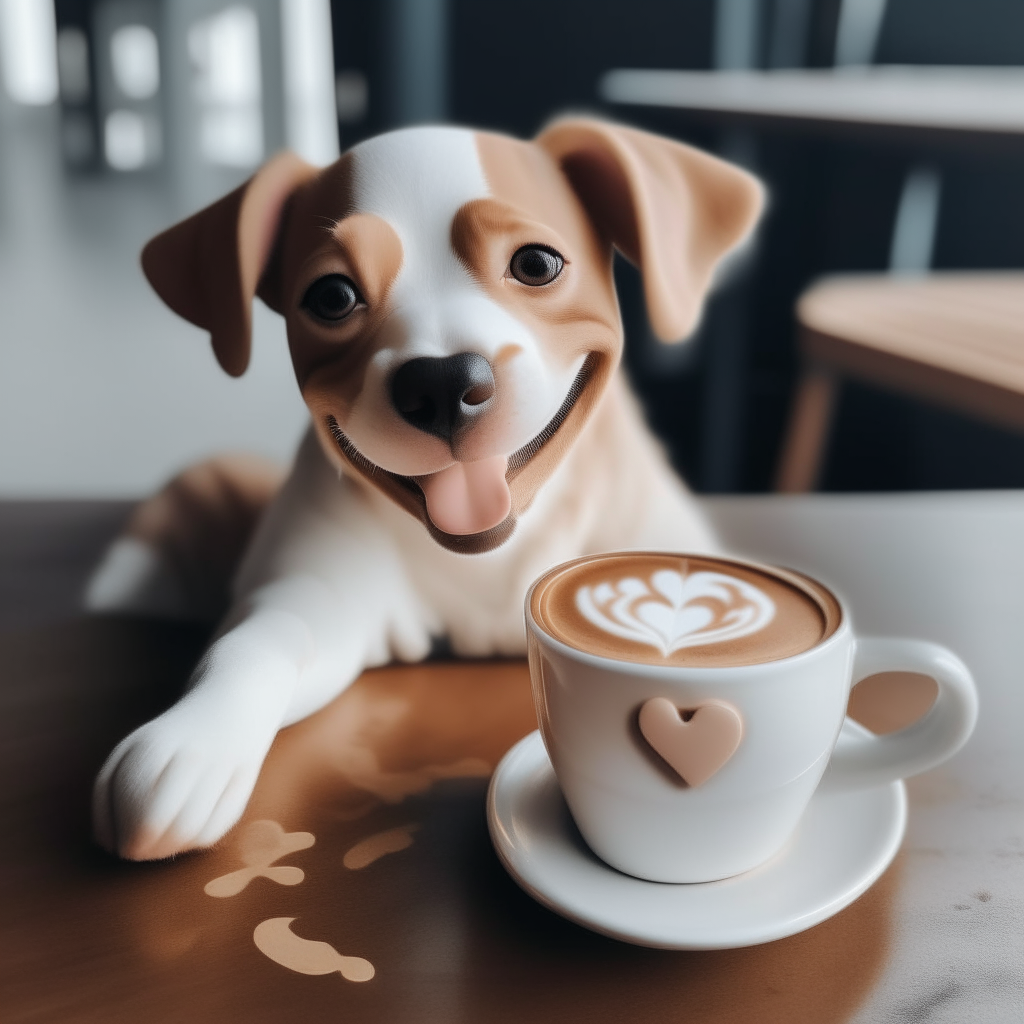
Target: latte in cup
{"x":690,"y":706}
{"x":669,"y":609}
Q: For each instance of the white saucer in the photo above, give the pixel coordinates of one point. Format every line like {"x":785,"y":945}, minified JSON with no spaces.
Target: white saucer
{"x":844,"y":842}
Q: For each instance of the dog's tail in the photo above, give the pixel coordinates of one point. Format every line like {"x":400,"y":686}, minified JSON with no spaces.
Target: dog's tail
{"x":181,"y":547}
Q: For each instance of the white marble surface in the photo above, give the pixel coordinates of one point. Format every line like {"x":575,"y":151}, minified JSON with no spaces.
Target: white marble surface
{"x":950,"y":568}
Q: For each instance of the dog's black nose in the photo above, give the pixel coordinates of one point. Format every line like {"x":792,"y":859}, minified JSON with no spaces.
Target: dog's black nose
{"x":441,"y":396}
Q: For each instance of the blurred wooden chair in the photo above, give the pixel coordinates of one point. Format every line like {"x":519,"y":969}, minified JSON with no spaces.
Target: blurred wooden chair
{"x":954,"y":339}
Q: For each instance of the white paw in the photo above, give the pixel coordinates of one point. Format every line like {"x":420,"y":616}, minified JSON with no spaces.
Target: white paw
{"x":180,"y":781}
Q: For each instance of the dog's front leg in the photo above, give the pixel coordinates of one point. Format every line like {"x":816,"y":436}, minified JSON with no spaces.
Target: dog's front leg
{"x":323,"y":595}
{"x":181,"y":780}
{"x":291,"y":645}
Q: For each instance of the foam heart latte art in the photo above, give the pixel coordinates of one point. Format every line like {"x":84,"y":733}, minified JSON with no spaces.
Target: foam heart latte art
{"x":674,"y":609}
{"x":671,"y":611}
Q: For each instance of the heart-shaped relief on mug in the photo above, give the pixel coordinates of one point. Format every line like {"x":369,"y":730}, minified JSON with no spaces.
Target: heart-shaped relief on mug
{"x":698,"y":748}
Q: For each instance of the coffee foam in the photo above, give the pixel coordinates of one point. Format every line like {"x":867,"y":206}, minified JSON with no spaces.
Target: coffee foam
{"x":669,"y":609}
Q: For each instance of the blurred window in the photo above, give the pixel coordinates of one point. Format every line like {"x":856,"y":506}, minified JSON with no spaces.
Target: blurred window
{"x":225,"y":52}
{"x":28,"y":50}
{"x":128,"y":75}
{"x":135,"y":61}
{"x":311,"y":118}
{"x":130,"y":140}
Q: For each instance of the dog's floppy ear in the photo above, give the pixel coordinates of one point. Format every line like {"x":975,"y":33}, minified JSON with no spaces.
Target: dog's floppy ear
{"x":207,"y":268}
{"x":670,"y":209}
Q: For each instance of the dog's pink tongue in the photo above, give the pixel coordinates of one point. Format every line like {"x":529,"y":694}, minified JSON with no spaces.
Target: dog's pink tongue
{"x":468,"y":497}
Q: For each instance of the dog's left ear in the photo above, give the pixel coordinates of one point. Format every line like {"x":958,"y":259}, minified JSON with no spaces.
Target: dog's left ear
{"x":672,"y":210}
{"x":208,"y":268}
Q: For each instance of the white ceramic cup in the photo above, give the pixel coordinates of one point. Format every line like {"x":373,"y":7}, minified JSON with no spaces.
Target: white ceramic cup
{"x":639,"y":819}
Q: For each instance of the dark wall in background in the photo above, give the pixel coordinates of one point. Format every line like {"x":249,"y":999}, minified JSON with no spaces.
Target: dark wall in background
{"x":514,"y":65}
{"x":952,"y":32}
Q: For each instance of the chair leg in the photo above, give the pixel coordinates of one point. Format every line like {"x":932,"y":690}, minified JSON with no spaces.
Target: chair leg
{"x":807,"y":434}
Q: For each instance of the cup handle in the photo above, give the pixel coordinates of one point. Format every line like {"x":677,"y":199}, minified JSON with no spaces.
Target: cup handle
{"x":874,"y":760}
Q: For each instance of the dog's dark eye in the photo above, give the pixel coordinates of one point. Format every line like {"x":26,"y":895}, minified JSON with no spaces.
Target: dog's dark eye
{"x":535,"y":265}
{"x":331,"y":298}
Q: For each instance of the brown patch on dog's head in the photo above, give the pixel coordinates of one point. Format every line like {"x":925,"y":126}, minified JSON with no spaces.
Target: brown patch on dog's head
{"x":330,"y":359}
{"x":672,"y":210}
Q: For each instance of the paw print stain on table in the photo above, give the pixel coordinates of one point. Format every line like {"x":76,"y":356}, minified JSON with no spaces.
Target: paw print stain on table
{"x":264,"y":842}
{"x":275,"y":939}
{"x":372,"y":848}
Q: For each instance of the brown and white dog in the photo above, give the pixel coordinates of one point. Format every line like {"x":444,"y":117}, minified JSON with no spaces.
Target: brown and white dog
{"x":455,"y":333}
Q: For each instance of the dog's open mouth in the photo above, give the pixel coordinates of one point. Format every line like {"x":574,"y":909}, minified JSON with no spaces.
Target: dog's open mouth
{"x":466,"y":494}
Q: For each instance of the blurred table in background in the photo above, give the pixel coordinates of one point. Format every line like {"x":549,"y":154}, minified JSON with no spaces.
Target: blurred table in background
{"x":962,"y":105}
{"x":956,"y":340}
{"x":388,"y":786}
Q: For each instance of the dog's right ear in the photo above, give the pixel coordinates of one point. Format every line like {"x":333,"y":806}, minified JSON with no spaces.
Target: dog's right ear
{"x":208,"y":268}
{"x":672,"y":210}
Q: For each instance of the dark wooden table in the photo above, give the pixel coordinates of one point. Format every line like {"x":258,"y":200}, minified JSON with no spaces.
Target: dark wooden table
{"x":385,"y":789}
